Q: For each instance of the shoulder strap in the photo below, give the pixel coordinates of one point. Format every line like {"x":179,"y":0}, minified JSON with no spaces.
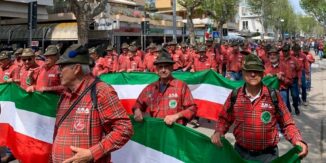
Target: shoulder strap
{"x":273,"y":95}
{"x":75,"y":103}
{"x":93,"y":93}
{"x":233,"y":100}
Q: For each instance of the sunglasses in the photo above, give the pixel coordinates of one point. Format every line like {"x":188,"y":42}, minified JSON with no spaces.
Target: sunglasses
{"x":27,"y":59}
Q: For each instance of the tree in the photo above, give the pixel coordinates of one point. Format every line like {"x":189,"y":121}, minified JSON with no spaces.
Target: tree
{"x":220,"y":11}
{"x":275,"y":14}
{"x":316,"y":8}
{"x":309,"y":25}
{"x":85,"y":11}
{"x":190,"y":6}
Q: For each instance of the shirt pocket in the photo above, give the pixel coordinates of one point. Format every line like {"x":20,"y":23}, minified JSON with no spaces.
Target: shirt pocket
{"x":80,"y":124}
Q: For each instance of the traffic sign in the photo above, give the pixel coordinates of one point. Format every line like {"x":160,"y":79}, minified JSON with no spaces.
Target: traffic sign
{"x":215,"y":34}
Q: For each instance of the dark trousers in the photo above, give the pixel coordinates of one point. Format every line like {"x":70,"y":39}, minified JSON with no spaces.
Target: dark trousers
{"x":294,"y":90}
{"x":265,"y":156}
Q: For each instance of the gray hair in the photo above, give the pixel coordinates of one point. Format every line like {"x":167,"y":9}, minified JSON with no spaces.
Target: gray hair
{"x":85,"y":69}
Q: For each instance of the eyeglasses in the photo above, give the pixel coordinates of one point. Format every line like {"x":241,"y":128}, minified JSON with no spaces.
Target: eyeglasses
{"x":27,"y":59}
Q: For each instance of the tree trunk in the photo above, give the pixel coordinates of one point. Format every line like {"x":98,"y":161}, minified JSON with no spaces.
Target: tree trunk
{"x":190,"y":23}
{"x":82,"y":23}
{"x":220,"y":29}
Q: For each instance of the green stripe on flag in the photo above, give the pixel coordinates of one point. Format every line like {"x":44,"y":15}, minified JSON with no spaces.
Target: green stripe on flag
{"x":40,"y":103}
{"x":190,"y":146}
{"x":206,"y":77}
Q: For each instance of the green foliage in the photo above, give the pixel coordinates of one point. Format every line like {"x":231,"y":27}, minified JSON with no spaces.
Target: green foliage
{"x":316,"y":8}
{"x":221,"y":10}
{"x":276,"y":14}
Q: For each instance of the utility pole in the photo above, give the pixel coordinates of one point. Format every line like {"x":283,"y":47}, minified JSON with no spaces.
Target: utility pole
{"x":174,"y":21}
{"x":32,"y":19}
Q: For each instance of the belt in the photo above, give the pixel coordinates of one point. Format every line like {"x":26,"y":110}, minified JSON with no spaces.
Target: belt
{"x":268,"y":150}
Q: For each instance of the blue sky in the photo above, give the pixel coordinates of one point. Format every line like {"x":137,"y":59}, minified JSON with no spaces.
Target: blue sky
{"x":296,"y":6}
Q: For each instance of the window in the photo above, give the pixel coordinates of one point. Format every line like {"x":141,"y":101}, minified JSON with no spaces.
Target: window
{"x":245,"y":25}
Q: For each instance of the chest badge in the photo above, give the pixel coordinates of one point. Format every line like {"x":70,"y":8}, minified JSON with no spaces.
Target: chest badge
{"x":79,"y":125}
{"x":266,"y":117}
{"x":5,"y":78}
{"x":173,"y":104}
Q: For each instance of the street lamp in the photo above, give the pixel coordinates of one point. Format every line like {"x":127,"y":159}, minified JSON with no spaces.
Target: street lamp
{"x":282,"y":21}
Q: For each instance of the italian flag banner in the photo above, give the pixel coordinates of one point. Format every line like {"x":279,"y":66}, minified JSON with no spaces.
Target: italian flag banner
{"x":154,"y":141}
{"x":209,"y":89}
{"x":27,"y":119}
{"x":27,"y":123}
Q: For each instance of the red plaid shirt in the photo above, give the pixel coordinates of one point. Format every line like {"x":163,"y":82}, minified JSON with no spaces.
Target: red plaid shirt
{"x":133,"y":63}
{"x":28,"y":77}
{"x":111,"y":63}
{"x":49,"y":79}
{"x":149,"y":60}
{"x":177,"y":58}
{"x":85,"y":126}
{"x":204,"y":62}
{"x":176,"y":98}
{"x":234,"y":62}
{"x":187,"y":59}
{"x":9,"y":72}
{"x":294,"y":66}
{"x":282,"y":68}
{"x":251,"y":129}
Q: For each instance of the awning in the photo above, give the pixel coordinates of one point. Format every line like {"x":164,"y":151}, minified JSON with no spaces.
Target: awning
{"x":20,"y":32}
{"x":62,"y":31}
{"x":5,"y":32}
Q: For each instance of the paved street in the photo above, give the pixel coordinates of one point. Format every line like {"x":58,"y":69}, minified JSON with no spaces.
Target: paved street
{"x":309,"y":121}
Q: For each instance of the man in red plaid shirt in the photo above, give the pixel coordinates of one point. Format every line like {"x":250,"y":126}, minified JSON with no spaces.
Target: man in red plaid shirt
{"x":48,"y":79}
{"x":168,"y":98}
{"x":91,"y":122}
{"x":255,"y":118}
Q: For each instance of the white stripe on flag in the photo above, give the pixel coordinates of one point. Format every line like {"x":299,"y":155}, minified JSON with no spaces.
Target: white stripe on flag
{"x":27,"y":123}
{"x":207,"y":92}
{"x":129,"y":91}
{"x":140,"y":154}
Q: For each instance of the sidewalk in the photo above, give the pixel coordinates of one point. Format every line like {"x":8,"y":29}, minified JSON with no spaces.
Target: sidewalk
{"x":309,"y":122}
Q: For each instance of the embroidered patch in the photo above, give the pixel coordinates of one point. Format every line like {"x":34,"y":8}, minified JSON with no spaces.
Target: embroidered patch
{"x":28,"y":81}
{"x":266,"y":117}
{"x":173,"y":104}
{"x":5,"y":78}
{"x":51,"y":75}
{"x":82,"y":111}
{"x":173,"y":95}
{"x":79,"y":125}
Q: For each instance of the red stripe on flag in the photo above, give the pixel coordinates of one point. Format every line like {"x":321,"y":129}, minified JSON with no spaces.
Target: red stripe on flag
{"x":206,"y":109}
{"x":24,"y":148}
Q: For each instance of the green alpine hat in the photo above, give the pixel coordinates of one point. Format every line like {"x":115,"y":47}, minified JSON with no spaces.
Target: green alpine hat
{"x":109,"y":48}
{"x":28,"y":52}
{"x":273,"y":50}
{"x":76,"y":53}
{"x":151,"y":46}
{"x":18,"y":52}
{"x":124,"y":46}
{"x":253,"y":63}
{"x":51,"y":50}
{"x":132,"y":48}
{"x":296,"y":47}
{"x":4,"y":55}
{"x":201,"y":49}
{"x":158,"y":48}
{"x":164,"y":57}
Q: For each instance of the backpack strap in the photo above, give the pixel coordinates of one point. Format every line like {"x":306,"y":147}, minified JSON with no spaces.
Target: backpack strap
{"x":273,"y":95}
{"x":234,"y":95}
{"x":93,"y":94}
